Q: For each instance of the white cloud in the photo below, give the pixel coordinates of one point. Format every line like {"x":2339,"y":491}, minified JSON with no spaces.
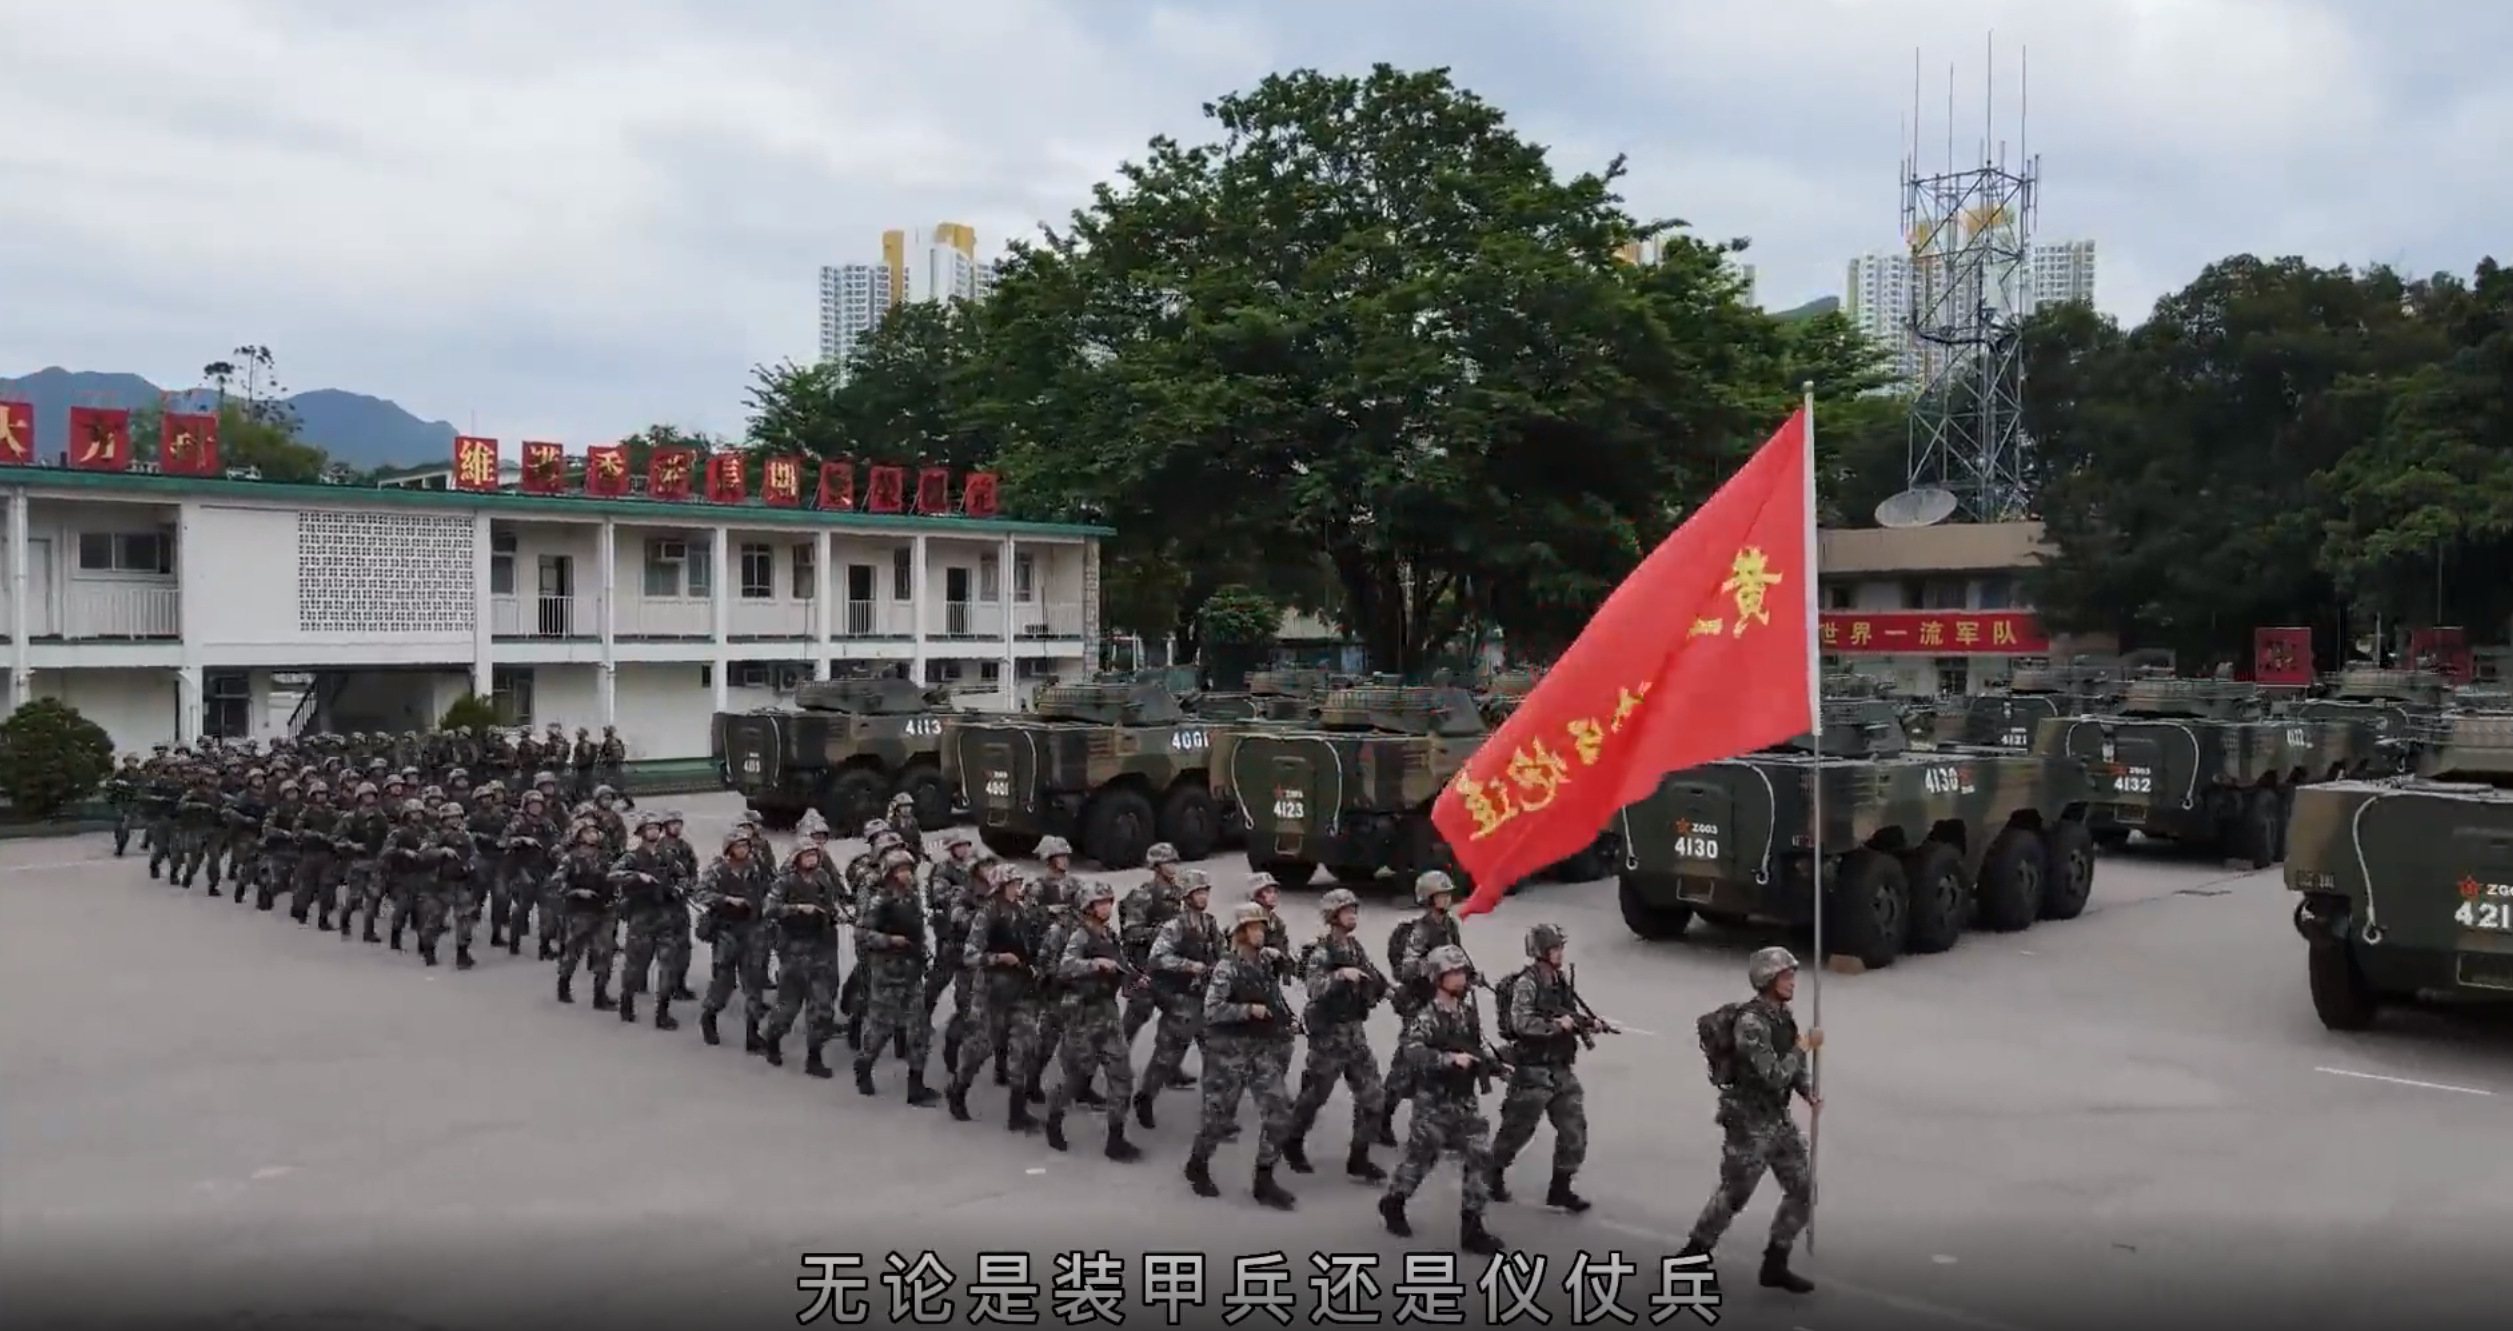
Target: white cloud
{"x":570,"y":218}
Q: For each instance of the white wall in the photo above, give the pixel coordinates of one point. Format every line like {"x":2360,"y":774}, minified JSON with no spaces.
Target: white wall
{"x":136,"y":707}
{"x":254,"y":618}
{"x":665,"y":710}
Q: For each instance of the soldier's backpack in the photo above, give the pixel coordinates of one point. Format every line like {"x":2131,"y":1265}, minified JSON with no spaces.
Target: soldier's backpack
{"x":1396,"y":944}
{"x":1717,"y":1029}
{"x":1501,"y":1001}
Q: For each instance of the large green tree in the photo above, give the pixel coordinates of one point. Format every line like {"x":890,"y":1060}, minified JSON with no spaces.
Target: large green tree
{"x":1368,"y":325}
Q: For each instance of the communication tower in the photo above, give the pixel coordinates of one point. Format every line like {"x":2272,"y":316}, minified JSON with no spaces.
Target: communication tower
{"x":1970,"y":232}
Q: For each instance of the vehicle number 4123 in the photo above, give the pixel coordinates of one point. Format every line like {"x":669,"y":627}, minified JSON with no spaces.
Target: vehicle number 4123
{"x":2493,"y":916}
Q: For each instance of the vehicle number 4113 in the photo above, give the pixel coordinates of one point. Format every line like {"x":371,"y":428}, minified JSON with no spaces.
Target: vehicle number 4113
{"x":2493,"y":916}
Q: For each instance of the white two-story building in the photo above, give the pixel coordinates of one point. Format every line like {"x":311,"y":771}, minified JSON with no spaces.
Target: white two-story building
{"x":167,"y":608}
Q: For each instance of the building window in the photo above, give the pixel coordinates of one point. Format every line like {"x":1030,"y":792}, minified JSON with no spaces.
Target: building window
{"x":502,"y":564}
{"x":666,"y":562}
{"x":227,"y":704}
{"x":1024,"y":578}
{"x":1954,"y":676}
{"x":510,"y":692}
{"x":759,"y":572}
{"x":989,"y":578}
{"x":806,"y":581}
{"x":126,"y":552}
{"x":1838,"y":596}
{"x":701,"y":569}
{"x":1998,"y":593}
{"x":902,"y":574}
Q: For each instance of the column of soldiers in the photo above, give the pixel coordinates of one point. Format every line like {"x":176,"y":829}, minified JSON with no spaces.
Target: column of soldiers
{"x":1048,"y":971}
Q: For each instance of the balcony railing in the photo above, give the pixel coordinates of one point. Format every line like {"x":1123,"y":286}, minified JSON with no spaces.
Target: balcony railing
{"x":110,"y":611}
{"x":666,"y":617}
{"x":545,"y":616}
{"x":874,"y":619}
{"x":765,"y":618}
{"x":984,"y":620}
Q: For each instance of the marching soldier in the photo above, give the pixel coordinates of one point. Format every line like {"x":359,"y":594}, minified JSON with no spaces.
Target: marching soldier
{"x":890,"y":955}
{"x":1139,"y":919}
{"x":406,"y":865}
{"x":157,"y":804}
{"x":1444,"y":1050}
{"x":1431,"y":929}
{"x":123,"y":793}
{"x":651,"y":913}
{"x":1248,"y":1029}
{"x":1001,"y":954}
{"x":528,"y":852}
{"x":445,"y":892}
{"x":240,"y":840}
{"x":681,"y":947}
{"x":1093,"y":968}
{"x":1344,"y":985}
{"x":1181,"y":956}
{"x":279,"y":847}
{"x":585,"y":897}
{"x":804,"y":916}
{"x":902,"y":820}
{"x":322,"y":835}
{"x":729,"y":897}
{"x":1542,"y":1021}
{"x":946,"y":913}
{"x":610,"y":759}
{"x":197,"y":812}
{"x":1763,"y":1060}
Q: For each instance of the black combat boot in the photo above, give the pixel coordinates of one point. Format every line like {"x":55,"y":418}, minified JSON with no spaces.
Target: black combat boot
{"x":682,"y":993}
{"x":772,"y":1050}
{"x":514,"y":945}
{"x":602,"y":994}
{"x":1560,"y":1195}
{"x":566,"y":989}
{"x":1392,"y":1216}
{"x":462,"y":959}
{"x":1387,"y":1125}
{"x":1056,"y":1130}
{"x":815,"y":1062}
{"x":213,"y":888}
{"x":1019,"y":1120}
{"x":1777,"y":1275}
{"x":751,"y":1043}
{"x":396,"y":939}
{"x":1296,"y":1155}
{"x":1497,"y":1180}
{"x":864,"y":1078}
{"x":300,"y":917}
{"x":918,"y":1093}
{"x":1143,"y":1110}
{"x":707,"y":1028}
{"x":497,"y":936}
{"x":628,"y":1008}
{"x":1474,"y":1240}
{"x":427,"y":953}
{"x":1269,"y":1193}
{"x":957,"y":1096}
{"x":663,"y":1018}
{"x":1360,"y":1166}
{"x":1119,"y":1149}
{"x":1199,"y":1173}
{"x":368,"y":934}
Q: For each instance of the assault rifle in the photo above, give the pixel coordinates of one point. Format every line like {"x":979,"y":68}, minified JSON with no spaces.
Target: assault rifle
{"x":1590,"y":1024}
{"x":1489,"y":1062}
{"x":1280,"y":1003}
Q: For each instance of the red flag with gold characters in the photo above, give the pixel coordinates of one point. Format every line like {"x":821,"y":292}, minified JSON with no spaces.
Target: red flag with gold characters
{"x":476,"y":463}
{"x":1706,"y":651}
{"x":100,"y":438}
{"x":977,"y":494}
{"x":668,"y":472}
{"x":781,"y":482}
{"x":885,"y":490}
{"x":187,"y":443}
{"x":2281,"y":656}
{"x":545,"y":467}
{"x":724,"y":478}
{"x":837,"y":486}
{"x":606,"y":471}
{"x":17,"y":433}
{"x":933,"y":490}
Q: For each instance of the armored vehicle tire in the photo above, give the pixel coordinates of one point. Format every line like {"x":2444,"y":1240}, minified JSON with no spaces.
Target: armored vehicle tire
{"x":1190,"y":820}
{"x":2341,"y":995}
{"x":2251,"y":833}
{"x":1353,"y":873}
{"x":1869,"y":915}
{"x":858,"y":796}
{"x":1656,"y":924}
{"x":1938,"y":895}
{"x":2112,"y":838}
{"x":923,"y":783}
{"x":2067,"y":870}
{"x":1118,"y":827}
{"x":1006,"y":844}
{"x":1288,"y":872}
{"x":779,"y":817}
{"x":2008,"y":895}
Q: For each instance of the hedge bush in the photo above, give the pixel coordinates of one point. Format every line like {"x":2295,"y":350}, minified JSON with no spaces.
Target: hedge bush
{"x":51,"y":758}
{"x":468,"y":710}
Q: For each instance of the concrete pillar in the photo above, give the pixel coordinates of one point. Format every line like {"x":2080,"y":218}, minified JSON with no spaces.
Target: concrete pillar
{"x":916,"y":578}
{"x":22,"y":591}
{"x":1005,"y":584}
{"x":483,"y":610}
{"x":824,"y":604}
{"x":606,"y":622}
{"x":720,"y":602}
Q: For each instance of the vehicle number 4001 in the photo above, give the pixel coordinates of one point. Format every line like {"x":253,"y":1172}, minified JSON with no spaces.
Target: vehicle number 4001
{"x":2495,"y":916}
{"x":998,"y":785}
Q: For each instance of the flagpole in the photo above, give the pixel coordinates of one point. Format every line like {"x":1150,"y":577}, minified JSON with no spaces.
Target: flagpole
{"x":1814,"y":804}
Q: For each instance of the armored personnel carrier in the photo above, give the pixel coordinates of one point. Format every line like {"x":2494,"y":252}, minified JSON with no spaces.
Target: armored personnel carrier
{"x":1916,"y":845}
{"x":845,"y":747}
{"x":2205,"y":763}
{"x":2406,"y":884}
{"x":1114,"y":766}
{"x":2392,"y":702}
{"x":1352,"y":790}
{"x":2006,"y":718}
{"x":1271,"y":695}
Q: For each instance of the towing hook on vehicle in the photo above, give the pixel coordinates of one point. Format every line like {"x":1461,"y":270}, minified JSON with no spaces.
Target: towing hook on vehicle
{"x":2372,"y":935}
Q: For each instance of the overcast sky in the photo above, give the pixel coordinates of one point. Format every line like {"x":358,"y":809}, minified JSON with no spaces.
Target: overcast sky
{"x":569,"y":218}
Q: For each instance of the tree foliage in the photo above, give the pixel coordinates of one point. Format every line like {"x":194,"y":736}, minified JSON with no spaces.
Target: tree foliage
{"x":1239,"y":615}
{"x":467,"y":711}
{"x":51,"y":757}
{"x":2277,"y":443}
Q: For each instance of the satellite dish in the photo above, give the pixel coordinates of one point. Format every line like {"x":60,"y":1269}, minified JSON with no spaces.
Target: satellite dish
{"x":1919,"y":506}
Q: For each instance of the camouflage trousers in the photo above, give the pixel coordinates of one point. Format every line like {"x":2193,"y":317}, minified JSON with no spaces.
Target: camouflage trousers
{"x":653,"y":933}
{"x":1181,"y":1026}
{"x":1340,"y":1052}
{"x":1446,"y":1121}
{"x":1142,"y":1006}
{"x":1003,"y":1018}
{"x":940,"y":977}
{"x":160,"y":830}
{"x":514,"y":890}
{"x":402,"y":892}
{"x":1250,"y":1067}
{"x":444,"y":903}
{"x":317,"y":883}
{"x":1753,"y":1145}
{"x":737,"y":959}
{"x":126,"y":820}
{"x":1399,"y":1086}
{"x":191,"y":854}
{"x":1537,"y":1095}
{"x":589,"y":939}
{"x":807,"y":987}
{"x":1047,"y":1038}
{"x":1094,"y":1045}
{"x":244,"y":865}
{"x":279,"y":874}
{"x":894,"y":994}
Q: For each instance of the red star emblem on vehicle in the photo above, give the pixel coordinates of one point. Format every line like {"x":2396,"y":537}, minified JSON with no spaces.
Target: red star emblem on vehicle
{"x":2469,"y":886}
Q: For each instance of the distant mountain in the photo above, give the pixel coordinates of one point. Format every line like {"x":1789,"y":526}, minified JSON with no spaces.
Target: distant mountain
{"x":1819,"y":305}
{"x":364,"y":432}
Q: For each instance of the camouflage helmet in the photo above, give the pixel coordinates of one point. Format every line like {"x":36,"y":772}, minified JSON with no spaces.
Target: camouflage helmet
{"x":956,"y":840}
{"x":1245,"y":915}
{"x":1446,"y":961}
{"x":586,"y":832}
{"x":432,"y":794}
{"x":1263,"y":882}
{"x":1194,"y":880}
{"x":450,"y":810}
{"x":1092,"y":893}
{"x":1338,"y":900}
{"x":1766,"y":967}
{"x":873,"y":827}
{"x":457,"y":775}
{"x":902,"y":800}
{"x":671,"y":816}
{"x":413,"y":808}
{"x":896,"y":860}
{"x":317,"y":788}
{"x":795,"y":860}
{"x":649,"y":820}
{"x":363,"y":790}
{"x":1052,"y":846}
{"x":605,"y":793}
{"x":1544,"y":938}
{"x":886,"y":841}
{"x":1161,"y":853}
{"x":735,"y":837}
{"x":1433,"y":883}
{"x":750,"y":818}
{"x":545,"y":778}
{"x":586,"y":810}
{"x":533,"y":795}
{"x":288,"y":788}
{"x":811,"y":823}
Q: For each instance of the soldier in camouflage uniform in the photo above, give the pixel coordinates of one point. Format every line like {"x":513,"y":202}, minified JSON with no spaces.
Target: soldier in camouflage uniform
{"x":1543,"y":1026}
{"x":902,"y":820}
{"x":647,"y":878}
{"x":1093,"y":969}
{"x":585,"y":758}
{"x":197,"y":813}
{"x":805,"y":917}
{"x":946,"y":913}
{"x":407,"y":865}
{"x":1344,"y":985}
{"x":1248,"y":1030}
{"x":158,"y":799}
{"x":606,"y":810}
{"x":1431,"y":929}
{"x":1444,"y":1049}
{"x":247,"y":810}
{"x":1772,"y":1062}
{"x":890,"y":955}
{"x":585,"y":901}
{"x":279,"y":846}
{"x":1181,"y":955}
{"x":681,"y":947}
{"x":1051,"y":906}
{"x":729,"y":896}
{"x":322,"y":832}
{"x":1139,"y":919}
{"x":444,"y":893}
{"x":1001,"y":953}
{"x":122,"y":792}
{"x":530,"y":847}
{"x":610,"y":759}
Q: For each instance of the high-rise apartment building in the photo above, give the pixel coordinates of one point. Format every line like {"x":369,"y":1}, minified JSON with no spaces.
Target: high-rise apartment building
{"x":919,"y":264}
{"x":1881,"y":291}
{"x":1647,"y":251}
{"x":2061,"y":271}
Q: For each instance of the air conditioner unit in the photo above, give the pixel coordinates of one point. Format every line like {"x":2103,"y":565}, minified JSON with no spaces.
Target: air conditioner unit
{"x":668,"y":552}
{"x":790,"y":678}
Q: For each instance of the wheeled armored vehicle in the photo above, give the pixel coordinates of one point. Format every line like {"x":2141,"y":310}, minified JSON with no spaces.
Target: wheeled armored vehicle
{"x":845,"y":747}
{"x":1916,"y":845}
{"x":1113,"y":766}
{"x":2391,"y":702}
{"x":2007,"y":717}
{"x":2406,"y":884}
{"x":1352,"y":790}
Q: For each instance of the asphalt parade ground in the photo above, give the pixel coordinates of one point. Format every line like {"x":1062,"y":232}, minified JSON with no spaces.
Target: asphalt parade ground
{"x":210,"y":1115}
